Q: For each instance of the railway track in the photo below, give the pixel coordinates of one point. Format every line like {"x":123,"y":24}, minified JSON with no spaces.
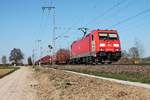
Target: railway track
{"x":128,"y":67}
{"x":59,"y":65}
{"x":133,"y":64}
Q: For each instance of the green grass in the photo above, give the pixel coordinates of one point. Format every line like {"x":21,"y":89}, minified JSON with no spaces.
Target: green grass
{"x":134,"y":77}
{"x":127,"y":76}
{"x":134,"y":74}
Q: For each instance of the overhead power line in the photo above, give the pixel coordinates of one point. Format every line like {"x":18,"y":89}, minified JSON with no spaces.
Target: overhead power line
{"x":137,"y":24}
{"x":118,"y":11}
{"x":100,"y":16}
{"x":65,"y":28}
{"x":106,"y":12}
{"x":131,"y":17}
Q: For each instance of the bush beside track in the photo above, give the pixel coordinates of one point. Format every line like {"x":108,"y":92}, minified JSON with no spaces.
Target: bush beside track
{"x":6,"y":71}
{"x":134,"y":73}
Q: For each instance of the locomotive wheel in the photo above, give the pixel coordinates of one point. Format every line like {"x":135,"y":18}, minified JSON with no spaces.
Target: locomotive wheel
{"x":102,"y":62}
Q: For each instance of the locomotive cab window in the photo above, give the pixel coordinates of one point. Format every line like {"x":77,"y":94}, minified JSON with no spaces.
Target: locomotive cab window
{"x":103,"y":36}
{"x":113,"y":36}
{"x":108,"y":36}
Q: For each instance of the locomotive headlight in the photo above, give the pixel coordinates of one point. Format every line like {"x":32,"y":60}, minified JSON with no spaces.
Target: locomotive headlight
{"x":102,"y":45}
{"x":116,"y":45}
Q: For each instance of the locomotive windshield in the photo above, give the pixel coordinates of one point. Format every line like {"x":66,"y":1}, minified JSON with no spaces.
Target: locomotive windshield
{"x":113,"y":36}
{"x":103,"y":36}
{"x":108,"y":36}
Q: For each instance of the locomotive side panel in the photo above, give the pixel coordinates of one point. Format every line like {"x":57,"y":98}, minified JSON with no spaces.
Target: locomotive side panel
{"x":81,"y":48}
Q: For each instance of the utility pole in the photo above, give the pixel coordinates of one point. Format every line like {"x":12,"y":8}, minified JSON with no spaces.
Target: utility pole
{"x":84,"y":30}
{"x":54,"y":27}
{"x":39,"y":47}
{"x":33,"y":57}
{"x":50,"y":58}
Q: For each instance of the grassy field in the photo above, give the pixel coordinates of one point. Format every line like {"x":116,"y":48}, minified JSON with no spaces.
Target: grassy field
{"x":6,"y":70}
{"x":136,"y":73}
{"x":134,"y":77}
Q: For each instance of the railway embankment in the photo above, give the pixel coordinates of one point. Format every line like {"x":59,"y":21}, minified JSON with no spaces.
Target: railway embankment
{"x":58,"y":84}
{"x":134,"y":73}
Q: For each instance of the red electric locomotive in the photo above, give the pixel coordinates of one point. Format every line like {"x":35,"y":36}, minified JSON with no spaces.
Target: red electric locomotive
{"x":99,"y":46}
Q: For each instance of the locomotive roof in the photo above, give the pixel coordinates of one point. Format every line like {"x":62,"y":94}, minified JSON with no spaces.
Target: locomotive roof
{"x":115,"y":31}
{"x":103,"y":30}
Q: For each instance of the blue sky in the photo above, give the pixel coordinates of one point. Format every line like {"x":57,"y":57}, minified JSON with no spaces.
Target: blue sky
{"x":22,"y":22}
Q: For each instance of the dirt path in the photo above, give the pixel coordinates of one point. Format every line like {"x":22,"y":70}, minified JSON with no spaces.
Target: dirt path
{"x":18,"y":85}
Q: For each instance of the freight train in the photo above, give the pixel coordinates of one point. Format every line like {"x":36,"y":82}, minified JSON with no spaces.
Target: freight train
{"x":99,"y":46}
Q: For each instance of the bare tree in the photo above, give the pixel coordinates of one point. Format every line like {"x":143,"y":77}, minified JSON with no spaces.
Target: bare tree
{"x":4,"y":60}
{"x":124,"y":57}
{"x":62,"y":55}
{"x":16,"y":56}
{"x":134,"y":54}
{"x":140,"y":48}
